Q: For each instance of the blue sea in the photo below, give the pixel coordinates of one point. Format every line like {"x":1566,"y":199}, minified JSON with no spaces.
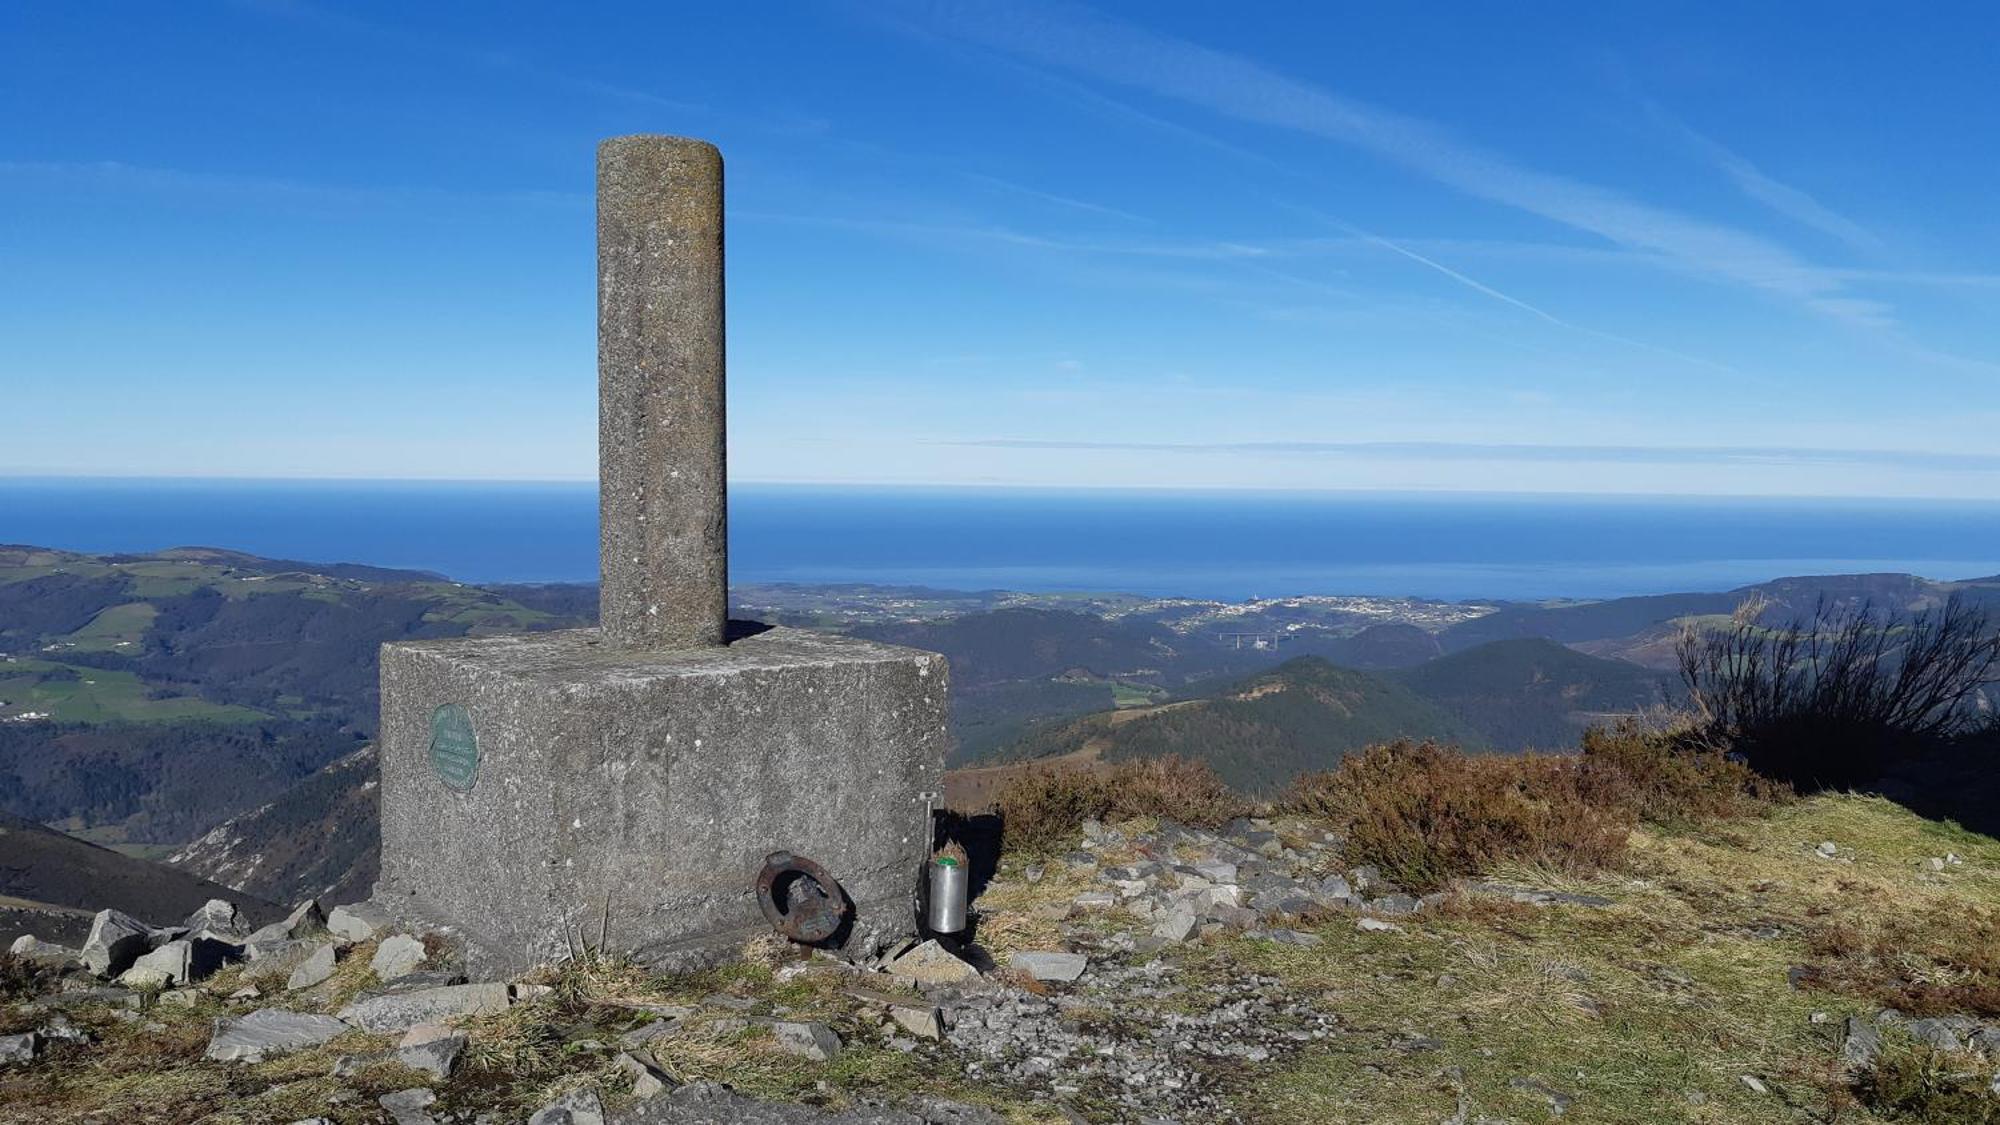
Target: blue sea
{"x":1227,"y":545}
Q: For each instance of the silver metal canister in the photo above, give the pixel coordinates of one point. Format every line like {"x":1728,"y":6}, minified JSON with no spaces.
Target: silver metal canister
{"x":948,"y":885}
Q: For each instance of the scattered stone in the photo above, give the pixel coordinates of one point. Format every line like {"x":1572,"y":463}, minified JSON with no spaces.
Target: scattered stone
{"x":1376,"y":926}
{"x":1095,"y":900}
{"x":397,"y":1011}
{"x":358,"y":922}
{"x":1292,"y":937}
{"x":529,"y":993}
{"x":648,"y":1081}
{"x":1934,"y":863}
{"x":931,"y":963}
{"x":1827,"y":849}
{"x":315,"y":969}
{"x":432,"y":1048}
{"x":17,"y":1048}
{"x":1175,"y":925}
{"x":116,"y":940}
{"x":180,"y":998}
{"x":408,"y":1107}
{"x":1395,"y":904}
{"x":247,"y":992}
{"x":578,"y":1107}
{"x":268,"y":1032}
{"x":398,"y":955}
{"x":1754,"y":1084}
{"x":1530,"y":896}
{"x":815,"y":1041}
{"x":1051,"y":966}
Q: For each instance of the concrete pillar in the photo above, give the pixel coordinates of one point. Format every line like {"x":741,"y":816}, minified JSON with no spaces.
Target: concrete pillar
{"x":663,"y":533}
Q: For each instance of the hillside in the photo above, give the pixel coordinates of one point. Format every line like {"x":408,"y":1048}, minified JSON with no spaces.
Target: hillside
{"x":1263,"y":730}
{"x":319,"y":839}
{"x":1533,"y":693}
{"x":50,"y":883}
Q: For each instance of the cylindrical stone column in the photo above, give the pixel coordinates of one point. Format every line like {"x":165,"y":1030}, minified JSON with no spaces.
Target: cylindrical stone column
{"x":663,"y":532}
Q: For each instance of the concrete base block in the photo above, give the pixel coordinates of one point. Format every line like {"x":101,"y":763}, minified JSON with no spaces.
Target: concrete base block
{"x":547,"y":793}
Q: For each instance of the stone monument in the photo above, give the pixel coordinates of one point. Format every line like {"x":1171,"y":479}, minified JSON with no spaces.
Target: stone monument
{"x":623,"y":787}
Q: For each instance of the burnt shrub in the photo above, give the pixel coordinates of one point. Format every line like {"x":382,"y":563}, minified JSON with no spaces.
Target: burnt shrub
{"x":1043,"y":807}
{"x":1837,"y":699}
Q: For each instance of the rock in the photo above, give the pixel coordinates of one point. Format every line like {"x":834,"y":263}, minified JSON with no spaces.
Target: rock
{"x":1559,"y":1102}
{"x":1216,"y":870}
{"x":931,"y":963}
{"x":397,"y":1011}
{"x":269,"y":1031}
{"x":398,"y":955}
{"x":1175,"y":925}
{"x":1396,"y":904}
{"x":578,"y":1107}
{"x":48,"y":953}
{"x":648,"y":1081}
{"x":181,"y":961}
{"x":60,"y":1030}
{"x":315,"y":969}
{"x":1934,"y":863}
{"x":815,"y":1041}
{"x":1376,"y":926}
{"x":1095,"y":900}
{"x":17,"y":1048}
{"x":1754,"y":1084}
{"x":181,"y":998}
{"x":359,"y":922}
{"x":1293,"y":937}
{"x":1827,"y":849}
{"x":1861,"y":1044}
{"x":1335,"y":888}
{"x":219,"y":918}
{"x":1051,"y":966}
{"x":408,"y":1107}
{"x":1938,"y":1033}
{"x":305,"y":918}
{"x":314,"y":1121}
{"x":433,"y":1048}
{"x":921,"y":1020}
{"x":115,"y":941}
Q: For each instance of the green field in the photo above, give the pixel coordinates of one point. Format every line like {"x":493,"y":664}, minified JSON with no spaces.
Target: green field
{"x":97,"y":695}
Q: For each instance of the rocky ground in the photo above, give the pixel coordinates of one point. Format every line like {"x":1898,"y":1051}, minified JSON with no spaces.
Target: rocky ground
{"x":1154,"y":973}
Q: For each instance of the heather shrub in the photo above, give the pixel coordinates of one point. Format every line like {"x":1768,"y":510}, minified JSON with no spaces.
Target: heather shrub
{"x":1427,"y":814}
{"x":1043,"y":807}
{"x":1676,"y":780}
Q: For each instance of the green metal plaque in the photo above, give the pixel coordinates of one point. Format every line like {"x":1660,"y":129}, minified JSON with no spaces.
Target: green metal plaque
{"x":454,"y":748}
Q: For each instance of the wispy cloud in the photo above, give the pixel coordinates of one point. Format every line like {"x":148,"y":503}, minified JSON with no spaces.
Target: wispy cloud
{"x":1479,"y":451}
{"x":115,"y":175}
{"x":1052,"y":197}
{"x":1111,"y":51}
{"x":1791,"y":202}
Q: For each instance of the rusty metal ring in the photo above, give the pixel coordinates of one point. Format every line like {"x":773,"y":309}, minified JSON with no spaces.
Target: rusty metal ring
{"x":800,"y":898}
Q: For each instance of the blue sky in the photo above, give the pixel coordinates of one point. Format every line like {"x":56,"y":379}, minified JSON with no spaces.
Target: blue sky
{"x":1682,"y":248}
